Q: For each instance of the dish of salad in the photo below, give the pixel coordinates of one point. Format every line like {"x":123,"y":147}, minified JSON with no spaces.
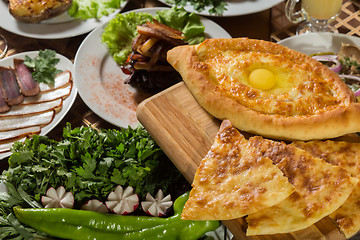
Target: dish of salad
{"x":99,"y":75}
{"x":340,"y":52}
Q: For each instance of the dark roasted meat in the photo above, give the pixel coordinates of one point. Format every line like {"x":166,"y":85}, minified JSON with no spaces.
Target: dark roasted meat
{"x":27,"y":84}
{"x":3,"y":105}
{"x":146,"y":66}
{"x":10,"y":87}
{"x":35,"y":11}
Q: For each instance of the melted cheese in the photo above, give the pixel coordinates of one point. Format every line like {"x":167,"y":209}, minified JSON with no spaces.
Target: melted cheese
{"x":299,"y":89}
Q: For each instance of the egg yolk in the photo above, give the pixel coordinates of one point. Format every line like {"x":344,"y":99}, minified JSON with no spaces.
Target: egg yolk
{"x":262,"y":79}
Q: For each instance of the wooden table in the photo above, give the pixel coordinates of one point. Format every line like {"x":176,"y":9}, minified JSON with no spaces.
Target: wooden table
{"x":269,"y":25}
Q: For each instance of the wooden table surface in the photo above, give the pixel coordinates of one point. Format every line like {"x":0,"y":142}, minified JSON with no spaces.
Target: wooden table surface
{"x":270,"y":25}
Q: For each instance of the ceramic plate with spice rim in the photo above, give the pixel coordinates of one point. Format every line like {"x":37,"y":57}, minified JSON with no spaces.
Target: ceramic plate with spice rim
{"x":100,"y":81}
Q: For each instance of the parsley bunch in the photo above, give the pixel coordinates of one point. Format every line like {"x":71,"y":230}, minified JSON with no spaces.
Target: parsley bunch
{"x":43,"y":66}
{"x":88,"y":162}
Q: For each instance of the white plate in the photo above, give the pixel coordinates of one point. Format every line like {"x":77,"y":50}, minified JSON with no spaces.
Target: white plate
{"x":236,"y":7}
{"x":319,"y":42}
{"x":62,"y":26}
{"x":64,"y":64}
{"x":99,"y":79}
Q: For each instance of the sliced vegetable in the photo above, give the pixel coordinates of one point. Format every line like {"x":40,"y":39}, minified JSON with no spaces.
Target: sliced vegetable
{"x":95,"y":205}
{"x":122,"y":201}
{"x":157,"y":206}
{"x":58,"y":198}
{"x":335,"y":64}
{"x":354,"y":78}
{"x":79,"y":225}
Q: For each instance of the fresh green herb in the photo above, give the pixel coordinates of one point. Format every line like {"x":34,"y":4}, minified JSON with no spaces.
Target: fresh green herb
{"x":43,"y":66}
{"x":188,"y":23}
{"x":89,"y":163}
{"x":350,"y":63}
{"x":215,"y":7}
{"x":85,"y":9}
{"x":121,"y":30}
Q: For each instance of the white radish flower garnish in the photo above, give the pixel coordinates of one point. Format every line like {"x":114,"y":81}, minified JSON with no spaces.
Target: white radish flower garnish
{"x":58,"y":198}
{"x":156,"y":206}
{"x":95,"y":206}
{"x":122,"y":201}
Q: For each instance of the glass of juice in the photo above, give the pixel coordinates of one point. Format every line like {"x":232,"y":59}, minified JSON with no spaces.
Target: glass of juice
{"x":316,"y":15}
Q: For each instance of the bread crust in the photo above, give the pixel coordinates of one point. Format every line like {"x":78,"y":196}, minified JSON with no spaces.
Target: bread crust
{"x":334,"y":120}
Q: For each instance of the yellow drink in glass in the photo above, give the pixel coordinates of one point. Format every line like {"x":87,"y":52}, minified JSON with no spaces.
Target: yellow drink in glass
{"x":322,"y":9}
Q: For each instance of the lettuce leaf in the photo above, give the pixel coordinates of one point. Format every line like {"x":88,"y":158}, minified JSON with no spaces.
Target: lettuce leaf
{"x":85,"y":9}
{"x":189,"y":23}
{"x":121,"y":30}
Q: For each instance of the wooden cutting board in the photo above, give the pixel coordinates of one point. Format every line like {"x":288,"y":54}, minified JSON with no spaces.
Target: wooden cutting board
{"x":185,"y":132}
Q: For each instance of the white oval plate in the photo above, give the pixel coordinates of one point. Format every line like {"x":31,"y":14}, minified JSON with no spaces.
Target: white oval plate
{"x":64,"y":64}
{"x":59,"y":27}
{"x":236,"y":7}
{"x":99,"y":79}
{"x":319,"y":42}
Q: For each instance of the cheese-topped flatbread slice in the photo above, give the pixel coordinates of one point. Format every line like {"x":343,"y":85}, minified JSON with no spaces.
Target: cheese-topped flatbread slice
{"x":320,"y":189}
{"x":267,"y":89}
{"x":347,"y":156}
{"x":231,"y":183}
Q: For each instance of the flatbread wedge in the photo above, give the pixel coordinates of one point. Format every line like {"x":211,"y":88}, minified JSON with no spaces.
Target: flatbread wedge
{"x":320,"y":189}
{"x":231,"y":183}
{"x":267,"y":89}
{"x":347,"y":156}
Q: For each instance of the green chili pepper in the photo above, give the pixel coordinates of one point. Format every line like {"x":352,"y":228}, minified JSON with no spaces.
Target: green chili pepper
{"x":81,"y":225}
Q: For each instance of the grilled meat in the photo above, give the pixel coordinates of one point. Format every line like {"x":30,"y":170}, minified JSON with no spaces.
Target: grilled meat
{"x":34,"y":11}
{"x":28,"y":85}
{"x":10,"y":87}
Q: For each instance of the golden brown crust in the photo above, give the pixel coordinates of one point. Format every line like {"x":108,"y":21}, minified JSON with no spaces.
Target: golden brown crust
{"x":347,"y":156}
{"x":35,"y":11}
{"x":231,"y":183}
{"x":330,"y":109}
{"x":320,"y":189}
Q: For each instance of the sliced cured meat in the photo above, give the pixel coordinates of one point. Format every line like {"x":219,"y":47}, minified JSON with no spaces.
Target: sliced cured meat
{"x":49,"y":95}
{"x":10,"y":87}
{"x":27,"y":84}
{"x":19,"y":133}
{"x":21,"y":110}
{"x":11,"y":123}
{"x":61,"y":80}
{"x":6,"y":145}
